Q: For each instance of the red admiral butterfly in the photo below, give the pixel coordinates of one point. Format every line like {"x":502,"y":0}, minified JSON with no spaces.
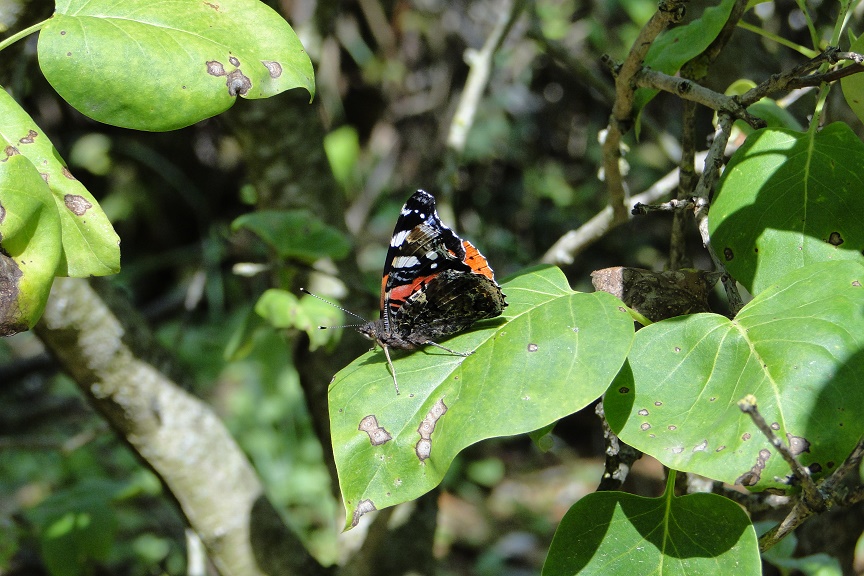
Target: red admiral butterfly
{"x":434,"y":284}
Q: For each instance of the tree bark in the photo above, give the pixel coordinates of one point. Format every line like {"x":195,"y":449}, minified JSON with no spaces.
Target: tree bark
{"x":112,"y":357}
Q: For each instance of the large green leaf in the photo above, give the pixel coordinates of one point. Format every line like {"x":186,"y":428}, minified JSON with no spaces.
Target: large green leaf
{"x":610,"y":533}
{"x":798,"y":347}
{"x":29,"y":242}
{"x":164,"y":65}
{"x":90,"y":247}
{"x":788,"y":199}
{"x":552,"y":352}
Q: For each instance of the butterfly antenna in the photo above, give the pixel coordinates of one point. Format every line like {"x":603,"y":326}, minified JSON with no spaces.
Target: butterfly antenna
{"x":340,"y":308}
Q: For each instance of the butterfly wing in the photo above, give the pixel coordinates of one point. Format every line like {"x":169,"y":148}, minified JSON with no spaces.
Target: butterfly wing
{"x":450,"y":303}
{"x":421,"y":247}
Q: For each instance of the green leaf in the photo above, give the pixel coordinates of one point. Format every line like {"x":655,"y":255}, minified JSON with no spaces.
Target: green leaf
{"x":788,"y":199}
{"x":29,"y":242}
{"x":283,"y":309}
{"x":552,"y":353}
{"x":797,"y":347}
{"x":612,"y":532}
{"x":90,"y":247}
{"x":342,"y":147}
{"x":77,"y":526}
{"x":677,"y":46}
{"x":297,"y":234}
{"x":165,"y":65}
{"x":853,"y":86}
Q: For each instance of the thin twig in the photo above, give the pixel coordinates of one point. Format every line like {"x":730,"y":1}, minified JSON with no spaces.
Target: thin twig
{"x":831,"y":492}
{"x":619,"y":456}
{"x":620,"y":120}
{"x":478,"y":77}
{"x":798,"y":76}
{"x":799,"y":471}
{"x":713,"y":162}
{"x":674,"y":205}
{"x":689,"y":90}
{"x":572,"y":243}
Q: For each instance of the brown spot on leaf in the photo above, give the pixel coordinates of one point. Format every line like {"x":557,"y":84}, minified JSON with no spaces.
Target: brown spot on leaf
{"x":720,"y":448}
{"x":238,"y":83}
{"x":30,"y":138}
{"x":10,"y":151}
{"x":234,"y":61}
{"x":427,"y":427}
{"x":44,"y":176}
{"x":856,"y":283}
{"x":658,"y":403}
{"x":728,"y":254}
{"x":752,"y":477}
{"x":67,"y":173}
{"x":215,"y":68}
{"x":62,"y":32}
{"x":377,"y":434}
{"x":274,"y":68}
{"x":745,"y":436}
{"x":835,"y":239}
{"x":363,"y":507}
{"x":672,"y":427}
{"x":643,"y":412}
{"x":2,"y":214}
{"x":645,"y":426}
{"x":774,"y":425}
{"x":815,"y":468}
{"x":423,"y":449}
{"x":78,"y":205}
{"x":533,"y":347}
{"x":623,"y":390}
{"x":701,"y":447}
{"x":797,"y":444}
{"x":212,"y":5}
{"x":11,"y":321}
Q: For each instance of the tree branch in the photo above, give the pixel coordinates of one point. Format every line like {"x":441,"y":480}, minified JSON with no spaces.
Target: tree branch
{"x":115,"y":365}
{"x":816,"y":499}
{"x":692,"y":91}
{"x":620,"y":120}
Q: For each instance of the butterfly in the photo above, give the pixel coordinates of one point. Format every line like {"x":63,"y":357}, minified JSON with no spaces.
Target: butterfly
{"x":434,"y":284}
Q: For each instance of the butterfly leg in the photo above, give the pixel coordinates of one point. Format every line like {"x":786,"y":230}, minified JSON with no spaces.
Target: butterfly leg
{"x":448,"y":349}
{"x":392,"y":370}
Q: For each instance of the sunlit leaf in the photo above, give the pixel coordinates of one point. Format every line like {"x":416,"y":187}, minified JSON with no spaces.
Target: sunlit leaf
{"x":798,"y":348}
{"x":90,"y":247}
{"x":164,"y":65}
{"x":788,"y":199}
{"x":551,"y":353}
{"x":29,"y":242}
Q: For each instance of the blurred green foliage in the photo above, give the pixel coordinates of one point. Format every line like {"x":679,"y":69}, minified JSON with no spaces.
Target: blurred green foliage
{"x":528,"y":175}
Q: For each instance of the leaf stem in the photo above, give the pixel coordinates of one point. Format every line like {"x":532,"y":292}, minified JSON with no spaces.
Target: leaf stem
{"x":783,"y":41}
{"x":670,"y":483}
{"x":26,"y":32}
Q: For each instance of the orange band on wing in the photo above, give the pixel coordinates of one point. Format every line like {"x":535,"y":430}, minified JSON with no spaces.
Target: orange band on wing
{"x":401,"y":293}
{"x":476,"y":261}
